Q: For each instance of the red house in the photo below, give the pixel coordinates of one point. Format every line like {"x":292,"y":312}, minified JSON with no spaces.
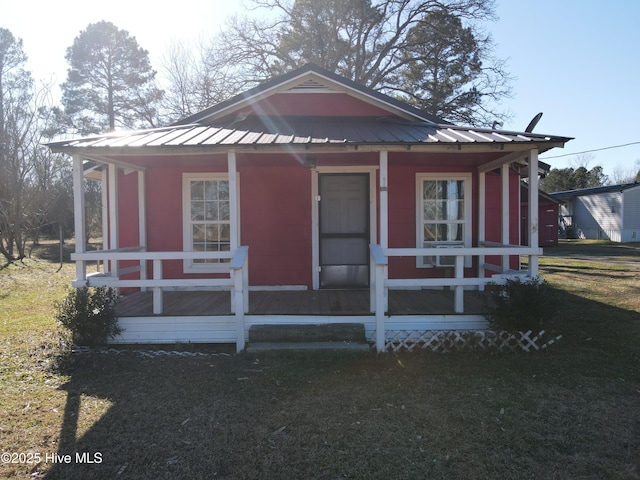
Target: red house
{"x":313,"y":200}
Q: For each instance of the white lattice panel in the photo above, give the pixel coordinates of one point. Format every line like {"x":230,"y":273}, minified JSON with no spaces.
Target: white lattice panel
{"x":443,"y":341}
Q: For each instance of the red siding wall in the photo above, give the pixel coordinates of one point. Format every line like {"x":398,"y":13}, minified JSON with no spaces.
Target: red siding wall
{"x":276,"y":223}
{"x":275,"y":203}
{"x":317,"y":104}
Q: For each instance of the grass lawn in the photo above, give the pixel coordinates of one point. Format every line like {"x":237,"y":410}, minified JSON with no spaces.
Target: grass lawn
{"x":570,"y":412}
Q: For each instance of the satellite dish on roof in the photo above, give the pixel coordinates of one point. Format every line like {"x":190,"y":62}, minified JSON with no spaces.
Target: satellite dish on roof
{"x":533,"y":123}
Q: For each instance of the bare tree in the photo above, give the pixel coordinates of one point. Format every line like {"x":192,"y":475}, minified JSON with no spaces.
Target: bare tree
{"x":367,"y":41}
{"x":30,"y":174}
{"x":626,"y":175}
{"x":197,"y":78}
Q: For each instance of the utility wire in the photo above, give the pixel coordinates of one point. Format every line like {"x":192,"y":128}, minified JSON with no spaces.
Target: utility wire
{"x":594,"y":150}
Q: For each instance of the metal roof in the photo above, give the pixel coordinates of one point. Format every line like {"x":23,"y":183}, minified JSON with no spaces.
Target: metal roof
{"x":303,"y":131}
{"x":595,"y":190}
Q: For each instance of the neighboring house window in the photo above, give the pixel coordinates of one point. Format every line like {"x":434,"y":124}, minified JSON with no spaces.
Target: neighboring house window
{"x":207,"y":220}
{"x":444,"y":215}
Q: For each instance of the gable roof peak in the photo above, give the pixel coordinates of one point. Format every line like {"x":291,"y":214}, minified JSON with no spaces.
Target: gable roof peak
{"x":311,"y":78}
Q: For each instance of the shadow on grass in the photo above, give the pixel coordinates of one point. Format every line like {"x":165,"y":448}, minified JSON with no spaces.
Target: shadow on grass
{"x":570,"y":412}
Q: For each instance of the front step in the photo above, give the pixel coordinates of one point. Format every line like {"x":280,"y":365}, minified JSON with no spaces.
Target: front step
{"x":301,"y":346}
{"x":332,"y":336}
{"x":299,"y":333}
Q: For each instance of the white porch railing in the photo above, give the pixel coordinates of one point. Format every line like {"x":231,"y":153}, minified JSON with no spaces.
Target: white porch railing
{"x":381,"y":283}
{"x":237,"y":281}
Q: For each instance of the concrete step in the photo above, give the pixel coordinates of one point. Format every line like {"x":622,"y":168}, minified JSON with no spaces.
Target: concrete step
{"x":304,"y":333}
{"x":300,"y":346}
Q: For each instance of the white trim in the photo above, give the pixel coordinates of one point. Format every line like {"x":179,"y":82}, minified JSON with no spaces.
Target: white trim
{"x":468,"y":208}
{"x":222,"y":328}
{"x":187,"y":177}
{"x":315,"y":211}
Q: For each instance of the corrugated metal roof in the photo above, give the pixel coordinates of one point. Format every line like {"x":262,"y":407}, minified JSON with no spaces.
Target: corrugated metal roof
{"x":274,"y":131}
{"x":595,"y":190}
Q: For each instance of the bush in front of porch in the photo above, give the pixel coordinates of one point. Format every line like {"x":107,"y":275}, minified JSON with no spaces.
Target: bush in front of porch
{"x":521,"y":305}
{"x":89,"y":315}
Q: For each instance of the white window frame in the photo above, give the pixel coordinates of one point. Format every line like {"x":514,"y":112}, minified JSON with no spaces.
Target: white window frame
{"x":187,"y":231}
{"x":467,"y":212}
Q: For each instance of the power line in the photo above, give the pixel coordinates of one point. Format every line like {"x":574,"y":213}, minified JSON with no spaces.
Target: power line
{"x":594,"y":150}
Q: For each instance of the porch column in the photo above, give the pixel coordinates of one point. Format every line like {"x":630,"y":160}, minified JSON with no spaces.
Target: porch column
{"x":113,"y":214}
{"x":237,"y":291}
{"x":533,"y":210}
{"x":384,"y":219}
{"x":104,"y":196}
{"x":233,"y":199}
{"x":504,"y":177}
{"x":142,"y":221}
{"x":384,"y":199}
{"x":79,"y":216}
{"x":482,"y":219}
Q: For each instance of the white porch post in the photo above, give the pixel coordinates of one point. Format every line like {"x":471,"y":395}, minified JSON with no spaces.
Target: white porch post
{"x":233,"y":199}
{"x":142,"y":221}
{"x":113,"y":214}
{"x":384,"y":222}
{"x":533,"y":210}
{"x":482,"y":219}
{"x":504,"y":177}
{"x":239,"y":297}
{"x":79,"y":216}
{"x":384,"y":199}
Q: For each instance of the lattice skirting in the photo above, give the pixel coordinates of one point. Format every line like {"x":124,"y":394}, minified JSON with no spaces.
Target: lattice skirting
{"x":459,"y":340}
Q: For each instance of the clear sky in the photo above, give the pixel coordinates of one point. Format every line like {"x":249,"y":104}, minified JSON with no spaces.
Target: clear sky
{"x":574,"y":60}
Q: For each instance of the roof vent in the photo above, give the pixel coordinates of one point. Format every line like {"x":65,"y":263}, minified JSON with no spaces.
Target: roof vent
{"x":310,"y":85}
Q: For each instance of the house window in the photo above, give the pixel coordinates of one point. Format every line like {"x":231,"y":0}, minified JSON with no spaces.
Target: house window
{"x":207,"y":219}
{"x":444,"y":215}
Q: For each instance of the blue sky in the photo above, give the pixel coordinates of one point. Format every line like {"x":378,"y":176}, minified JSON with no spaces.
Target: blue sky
{"x":574,"y":60}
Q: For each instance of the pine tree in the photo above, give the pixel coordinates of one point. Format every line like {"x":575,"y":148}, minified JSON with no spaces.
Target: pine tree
{"x":110,"y":83}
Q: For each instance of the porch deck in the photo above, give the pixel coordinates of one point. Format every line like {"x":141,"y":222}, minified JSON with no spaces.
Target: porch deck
{"x":302,"y":302}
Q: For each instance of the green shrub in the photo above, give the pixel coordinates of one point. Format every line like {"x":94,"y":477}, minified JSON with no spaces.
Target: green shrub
{"x":89,"y":315}
{"x":521,"y":305}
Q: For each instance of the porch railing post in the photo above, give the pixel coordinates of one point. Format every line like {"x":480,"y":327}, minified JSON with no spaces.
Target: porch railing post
{"x":239,"y":307}
{"x":157,"y":291}
{"x":378,"y":287}
{"x":459,"y":289}
{"x":240,"y":291}
{"x":380,"y":311}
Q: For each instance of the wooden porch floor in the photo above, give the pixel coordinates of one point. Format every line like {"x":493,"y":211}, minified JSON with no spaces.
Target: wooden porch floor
{"x":303,"y":302}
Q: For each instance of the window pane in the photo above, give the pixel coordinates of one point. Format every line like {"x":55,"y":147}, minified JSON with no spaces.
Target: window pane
{"x":197,"y":211}
{"x":432,"y":210}
{"x":211,"y":190}
{"x":197,"y":191}
{"x":223,"y":210}
{"x":223,"y":190}
{"x":198,"y":234}
{"x":211,"y":209}
{"x":212,"y":234}
{"x":225,"y":233}
{"x":430,"y":189}
{"x":430,"y":233}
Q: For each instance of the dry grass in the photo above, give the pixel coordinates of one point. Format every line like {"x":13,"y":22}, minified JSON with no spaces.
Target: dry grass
{"x":572,"y":412}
